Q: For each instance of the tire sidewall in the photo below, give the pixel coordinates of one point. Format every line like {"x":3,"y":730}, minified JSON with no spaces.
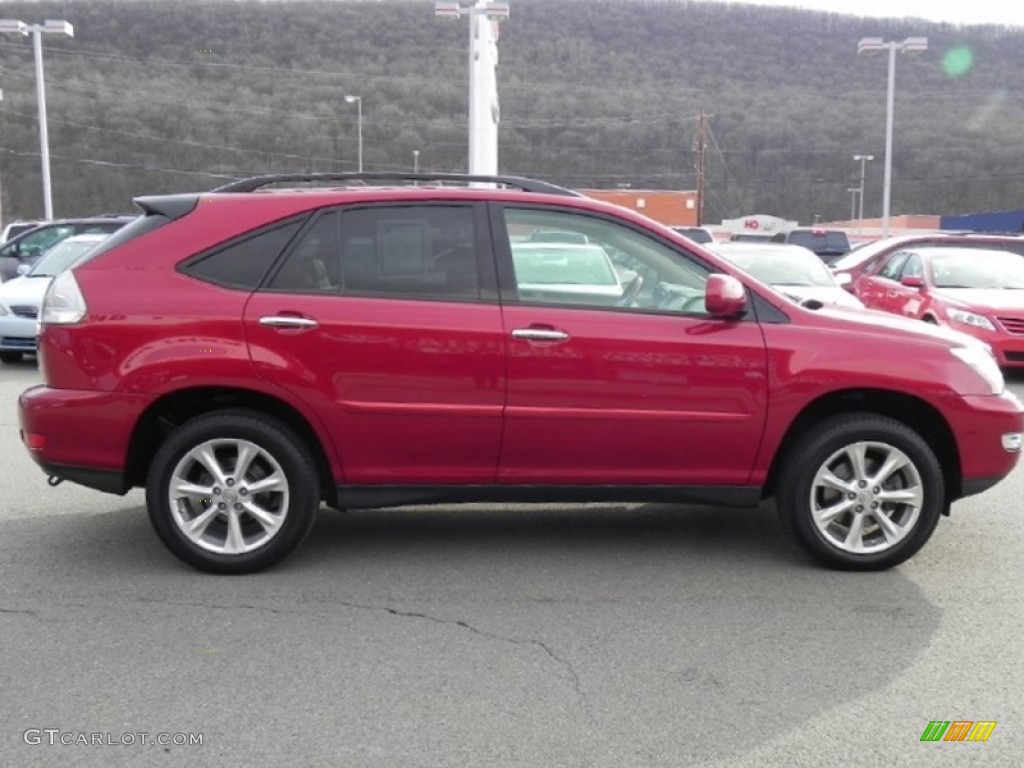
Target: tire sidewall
{"x":271,"y":437}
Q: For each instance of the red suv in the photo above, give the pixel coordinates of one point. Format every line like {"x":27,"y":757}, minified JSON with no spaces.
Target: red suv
{"x":250,"y":353}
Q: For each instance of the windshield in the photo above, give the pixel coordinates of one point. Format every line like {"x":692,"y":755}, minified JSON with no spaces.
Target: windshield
{"x":61,"y":257}
{"x":782,"y":268}
{"x":974,"y":269}
{"x":573,"y":265}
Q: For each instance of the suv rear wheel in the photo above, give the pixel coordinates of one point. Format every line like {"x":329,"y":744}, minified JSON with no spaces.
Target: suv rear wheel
{"x":232,"y":492}
{"x":861,"y":492}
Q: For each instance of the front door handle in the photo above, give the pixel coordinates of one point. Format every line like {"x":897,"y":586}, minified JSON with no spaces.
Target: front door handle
{"x":539,"y":334}
{"x":288,"y":321}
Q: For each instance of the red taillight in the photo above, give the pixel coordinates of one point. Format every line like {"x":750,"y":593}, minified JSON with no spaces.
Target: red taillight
{"x":34,"y":441}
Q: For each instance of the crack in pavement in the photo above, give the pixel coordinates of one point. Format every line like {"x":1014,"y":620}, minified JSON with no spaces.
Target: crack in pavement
{"x":564,"y":663}
{"x":19,"y":610}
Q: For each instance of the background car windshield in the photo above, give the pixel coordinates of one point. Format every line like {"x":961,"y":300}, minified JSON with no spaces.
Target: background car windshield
{"x":783,"y":268}
{"x":60,"y":257}
{"x":580,"y":265}
{"x":696,"y":234}
{"x":542,"y":236}
{"x":967,"y":270}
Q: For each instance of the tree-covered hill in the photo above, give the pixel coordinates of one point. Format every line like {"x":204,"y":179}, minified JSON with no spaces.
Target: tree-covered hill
{"x":163,"y":96}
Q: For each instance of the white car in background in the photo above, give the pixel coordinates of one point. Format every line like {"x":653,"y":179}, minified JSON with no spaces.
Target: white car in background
{"x":568,"y":272}
{"x":792,"y":270}
{"x":21,"y":297}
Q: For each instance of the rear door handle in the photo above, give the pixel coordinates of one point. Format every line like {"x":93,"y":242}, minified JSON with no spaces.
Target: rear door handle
{"x":539,"y":334}
{"x":288,"y":321}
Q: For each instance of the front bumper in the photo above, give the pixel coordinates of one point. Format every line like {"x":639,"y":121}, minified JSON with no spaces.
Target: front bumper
{"x":18,"y":334}
{"x":1009,"y":350}
{"x":985,"y":426}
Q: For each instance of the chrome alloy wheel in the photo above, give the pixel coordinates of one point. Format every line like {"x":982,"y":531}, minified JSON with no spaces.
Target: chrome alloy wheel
{"x":228,"y":496}
{"x":866,"y":497}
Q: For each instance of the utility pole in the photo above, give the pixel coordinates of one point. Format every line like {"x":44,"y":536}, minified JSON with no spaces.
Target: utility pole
{"x":484,"y":16}
{"x":702,"y":146}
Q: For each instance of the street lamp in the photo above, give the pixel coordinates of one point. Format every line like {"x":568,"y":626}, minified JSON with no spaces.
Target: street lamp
{"x":415,"y":161}
{"x":54,"y":26}
{"x":862,"y":159}
{"x":872,"y":45}
{"x":358,"y":101}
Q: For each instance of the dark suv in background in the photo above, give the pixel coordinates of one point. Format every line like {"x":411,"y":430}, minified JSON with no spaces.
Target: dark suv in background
{"x":829,"y":244}
{"x":29,"y":246}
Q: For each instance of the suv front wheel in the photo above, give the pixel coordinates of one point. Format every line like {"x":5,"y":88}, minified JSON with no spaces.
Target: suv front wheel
{"x":861,"y":492}
{"x":232,"y":491}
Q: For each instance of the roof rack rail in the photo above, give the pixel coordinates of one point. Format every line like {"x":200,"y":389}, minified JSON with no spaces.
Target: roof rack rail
{"x":526,"y":185}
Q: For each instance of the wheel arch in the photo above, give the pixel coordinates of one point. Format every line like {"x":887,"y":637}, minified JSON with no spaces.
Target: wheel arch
{"x":175,"y":408}
{"x":909,"y":410}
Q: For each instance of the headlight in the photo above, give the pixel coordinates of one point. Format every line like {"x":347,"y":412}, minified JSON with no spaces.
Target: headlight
{"x":981,"y":359}
{"x":970,"y":318}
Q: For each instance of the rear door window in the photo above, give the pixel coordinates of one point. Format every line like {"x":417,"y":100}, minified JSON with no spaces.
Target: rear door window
{"x":400,"y":251}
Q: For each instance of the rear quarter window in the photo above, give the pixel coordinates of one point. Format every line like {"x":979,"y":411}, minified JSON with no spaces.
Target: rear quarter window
{"x":244,"y":262}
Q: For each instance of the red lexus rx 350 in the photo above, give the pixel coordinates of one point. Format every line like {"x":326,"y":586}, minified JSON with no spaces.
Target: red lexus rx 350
{"x":251,"y":353}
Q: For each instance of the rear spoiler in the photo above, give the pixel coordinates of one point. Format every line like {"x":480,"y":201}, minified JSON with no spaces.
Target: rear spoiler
{"x":171,"y":206}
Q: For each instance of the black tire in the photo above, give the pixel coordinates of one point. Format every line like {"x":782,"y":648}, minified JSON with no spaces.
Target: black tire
{"x":815,"y":448}
{"x":11,"y":357}
{"x":277,"y":443}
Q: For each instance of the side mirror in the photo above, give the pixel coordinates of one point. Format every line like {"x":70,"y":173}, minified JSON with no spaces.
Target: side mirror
{"x":724,"y":296}
{"x":843,"y":279}
{"x":912,"y":281}
{"x":24,"y":269}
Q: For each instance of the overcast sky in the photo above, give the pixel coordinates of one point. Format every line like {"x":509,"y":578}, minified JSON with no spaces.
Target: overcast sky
{"x":953,"y":11}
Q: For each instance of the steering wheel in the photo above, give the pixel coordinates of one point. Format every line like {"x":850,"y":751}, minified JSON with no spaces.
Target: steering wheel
{"x":630,"y":294}
{"x":693,"y":304}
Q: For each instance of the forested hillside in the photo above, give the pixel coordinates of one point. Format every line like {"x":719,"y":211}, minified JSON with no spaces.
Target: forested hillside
{"x":153,"y":97}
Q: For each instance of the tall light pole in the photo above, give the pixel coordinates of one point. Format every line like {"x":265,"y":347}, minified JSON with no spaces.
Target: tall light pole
{"x":863,"y":160}
{"x":54,"y":26}
{"x":358,"y":101}
{"x":484,"y":16}
{"x":853,"y":201}
{"x":871,"y":45}
{"x":415,"y":161}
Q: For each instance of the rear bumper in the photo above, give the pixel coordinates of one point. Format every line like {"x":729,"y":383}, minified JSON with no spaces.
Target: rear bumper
{"x":81,"y":436}
{"x":981,"y":424}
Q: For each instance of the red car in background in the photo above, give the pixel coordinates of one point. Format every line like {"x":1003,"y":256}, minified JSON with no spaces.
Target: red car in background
{"x":973,"y":290}
{"x":869,"y":257}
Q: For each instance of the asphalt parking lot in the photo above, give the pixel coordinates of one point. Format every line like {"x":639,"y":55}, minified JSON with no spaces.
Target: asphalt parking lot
{"x":618,"y":636}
